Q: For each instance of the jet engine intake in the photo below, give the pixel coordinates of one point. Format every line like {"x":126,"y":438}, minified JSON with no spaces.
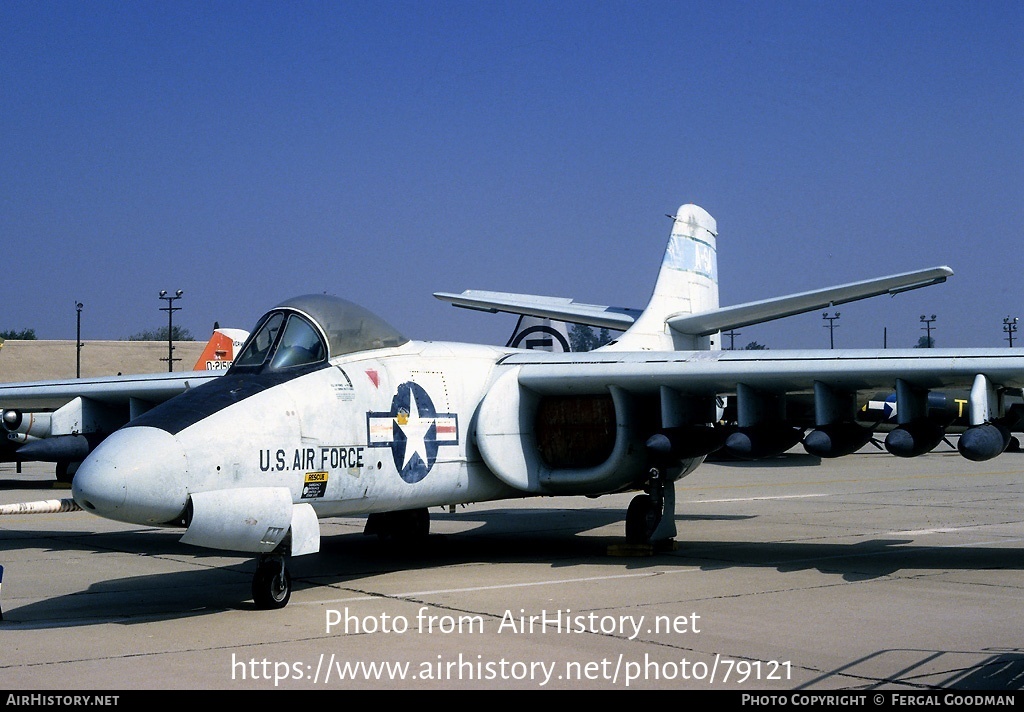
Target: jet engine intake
{"x":32,"y":425}
{"x":551,"y":444}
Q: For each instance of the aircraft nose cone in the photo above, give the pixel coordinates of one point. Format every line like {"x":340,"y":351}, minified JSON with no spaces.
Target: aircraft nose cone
{"x":136,"y":475}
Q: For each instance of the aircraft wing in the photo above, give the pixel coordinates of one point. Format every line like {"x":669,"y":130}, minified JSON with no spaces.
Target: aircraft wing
{"x":558,"y":308}
{"x":709,"y":373}
{"x":109,"y":390}
{"x":63,"y":420}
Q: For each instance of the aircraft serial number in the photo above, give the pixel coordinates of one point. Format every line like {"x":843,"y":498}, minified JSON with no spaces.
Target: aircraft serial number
{"x":323,"y":458}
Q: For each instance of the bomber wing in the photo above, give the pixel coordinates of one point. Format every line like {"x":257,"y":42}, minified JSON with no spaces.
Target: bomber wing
{"x":109,"y":390}
{"x":63,"y":420}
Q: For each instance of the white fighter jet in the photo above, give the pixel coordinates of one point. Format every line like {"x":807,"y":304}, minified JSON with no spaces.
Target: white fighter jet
{"x":329,"y":411}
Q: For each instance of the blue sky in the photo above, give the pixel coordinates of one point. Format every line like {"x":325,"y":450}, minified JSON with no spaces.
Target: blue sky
{"x":246,"y":152}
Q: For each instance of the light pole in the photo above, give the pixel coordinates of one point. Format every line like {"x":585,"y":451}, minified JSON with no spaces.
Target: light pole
{"x":928,"y":328}
{"x":732,"y":334}
{"x":1010,"y":327}
{"x":170,"y":309}
{"x":78,"y":340}
{"x":831,"y":326}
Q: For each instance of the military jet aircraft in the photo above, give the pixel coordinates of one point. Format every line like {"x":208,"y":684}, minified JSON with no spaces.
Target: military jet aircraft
{"x":329,"y":411}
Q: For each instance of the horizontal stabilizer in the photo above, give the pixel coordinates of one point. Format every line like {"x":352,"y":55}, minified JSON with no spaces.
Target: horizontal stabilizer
{"x":558,"y":308}
{"x":741,"y":315}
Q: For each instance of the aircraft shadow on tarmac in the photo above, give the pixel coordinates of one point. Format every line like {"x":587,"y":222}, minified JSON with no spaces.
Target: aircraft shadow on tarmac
{"x":959,"y":669}
{"x":562,"y":538}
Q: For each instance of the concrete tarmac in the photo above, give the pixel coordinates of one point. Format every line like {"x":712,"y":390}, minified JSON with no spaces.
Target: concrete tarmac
{"x":863,"y":573}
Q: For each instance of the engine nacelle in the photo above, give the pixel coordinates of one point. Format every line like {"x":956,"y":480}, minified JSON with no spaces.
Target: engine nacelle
{"x":914,"y":438}
{"x":29,"y":425}
{"x":836,"y":439}
{"x":983,"y":442}
{"x":553,"y":444}
{"x":764,"y":440}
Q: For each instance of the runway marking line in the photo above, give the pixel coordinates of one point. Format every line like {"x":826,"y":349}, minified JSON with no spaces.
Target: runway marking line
{"x":498,"y":587}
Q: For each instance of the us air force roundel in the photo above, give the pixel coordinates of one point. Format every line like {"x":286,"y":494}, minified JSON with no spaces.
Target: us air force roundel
{"x":413,"y":430}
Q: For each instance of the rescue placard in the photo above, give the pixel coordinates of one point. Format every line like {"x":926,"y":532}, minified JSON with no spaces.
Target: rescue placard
{"x":314,"y":485}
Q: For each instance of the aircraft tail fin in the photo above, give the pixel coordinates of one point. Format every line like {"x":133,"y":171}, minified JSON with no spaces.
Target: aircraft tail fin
{"x":687,"y":284}
{"x":220,"y":350}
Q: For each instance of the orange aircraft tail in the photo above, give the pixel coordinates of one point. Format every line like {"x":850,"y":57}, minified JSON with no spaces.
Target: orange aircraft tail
{"x":220,"y":350}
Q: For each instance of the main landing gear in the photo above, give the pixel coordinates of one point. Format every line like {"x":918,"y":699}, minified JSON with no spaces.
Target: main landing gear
{"x":646,"y":522}
{"x":271,"y":584}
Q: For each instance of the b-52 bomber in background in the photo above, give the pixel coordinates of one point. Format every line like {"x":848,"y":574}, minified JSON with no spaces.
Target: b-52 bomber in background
{"x":62,"y":421}
{"x":330,"y":411}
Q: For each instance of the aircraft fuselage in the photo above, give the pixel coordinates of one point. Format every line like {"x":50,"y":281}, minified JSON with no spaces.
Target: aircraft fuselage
{"x":353,"y":436}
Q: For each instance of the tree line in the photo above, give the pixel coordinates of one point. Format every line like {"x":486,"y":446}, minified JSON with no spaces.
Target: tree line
{"x":178,"y":333}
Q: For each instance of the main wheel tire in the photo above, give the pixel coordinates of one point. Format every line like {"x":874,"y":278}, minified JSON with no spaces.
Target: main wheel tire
{"x":271,"y":585}
{"x":642,"y":519}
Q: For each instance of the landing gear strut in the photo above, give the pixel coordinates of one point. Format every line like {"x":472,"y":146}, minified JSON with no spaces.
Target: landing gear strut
{"x":271,"y":584}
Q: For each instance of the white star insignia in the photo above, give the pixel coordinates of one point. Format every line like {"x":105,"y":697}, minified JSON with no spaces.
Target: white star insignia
{"x":415,"y":431}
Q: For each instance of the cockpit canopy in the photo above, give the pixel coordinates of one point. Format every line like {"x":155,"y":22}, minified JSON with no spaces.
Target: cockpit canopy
{"x":311,"y":329}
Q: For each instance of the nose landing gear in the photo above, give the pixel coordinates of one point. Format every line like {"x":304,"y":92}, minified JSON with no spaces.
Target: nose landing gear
{"x":271,"y":584}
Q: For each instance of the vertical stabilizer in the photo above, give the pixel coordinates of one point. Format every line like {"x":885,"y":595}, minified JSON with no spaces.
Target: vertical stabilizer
{"x":220,"y":350}
{"x":687,"y":284}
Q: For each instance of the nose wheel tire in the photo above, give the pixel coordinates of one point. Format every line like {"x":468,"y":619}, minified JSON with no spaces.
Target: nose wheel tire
{"x":271,"y":584}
